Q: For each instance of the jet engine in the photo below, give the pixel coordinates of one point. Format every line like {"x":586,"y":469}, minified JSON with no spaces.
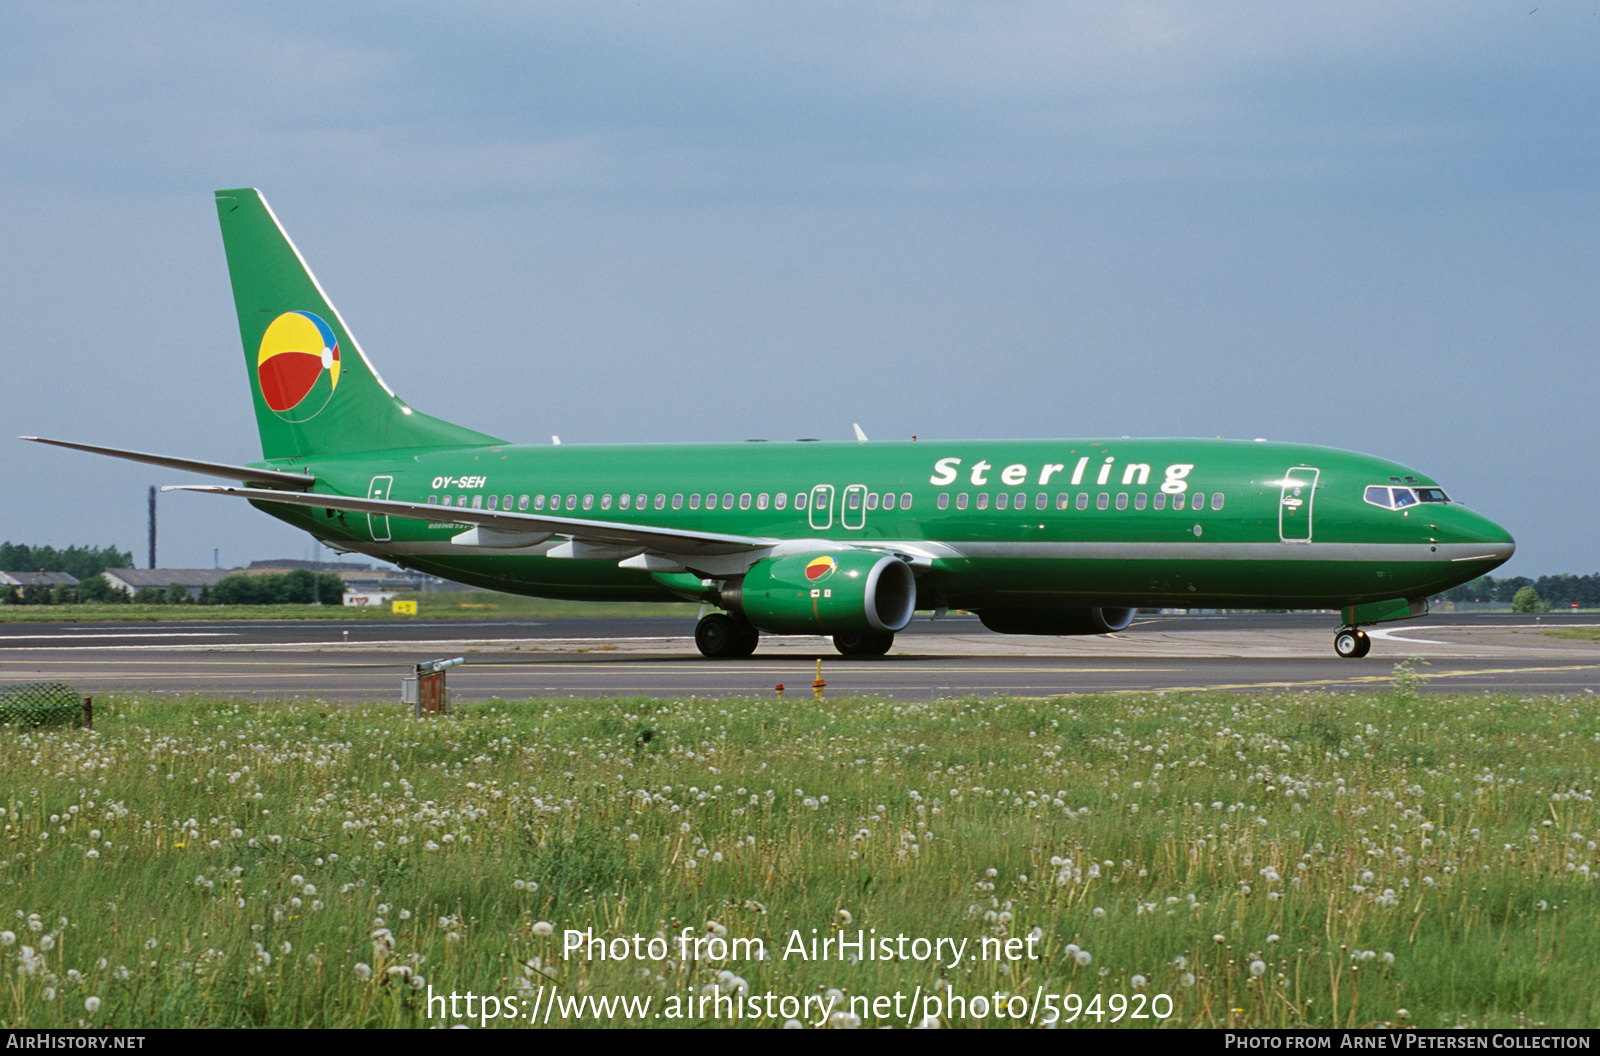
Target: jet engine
{"x":1056,"y":621}
{"x":846,"y":592}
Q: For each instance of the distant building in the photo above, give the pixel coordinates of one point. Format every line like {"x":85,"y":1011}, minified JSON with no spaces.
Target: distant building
{"x":364,"y":584}
{"x":193,"y":580}
{"x":22,"y":580}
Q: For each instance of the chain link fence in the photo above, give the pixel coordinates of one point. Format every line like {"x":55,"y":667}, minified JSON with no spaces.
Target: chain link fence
{"x":34,"y":704}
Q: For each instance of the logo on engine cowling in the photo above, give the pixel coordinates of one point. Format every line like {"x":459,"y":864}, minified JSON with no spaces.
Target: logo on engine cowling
{"x":818,"y":567}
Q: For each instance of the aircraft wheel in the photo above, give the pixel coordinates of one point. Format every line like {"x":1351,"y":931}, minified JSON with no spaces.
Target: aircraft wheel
{"x":749,"y":638}
{"x":718,"y":637}
{"x":1351,"y":644}
{"x":863,"y":644}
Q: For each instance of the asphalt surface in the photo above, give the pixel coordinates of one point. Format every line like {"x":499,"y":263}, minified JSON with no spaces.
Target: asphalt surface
{"x":649,"y":656}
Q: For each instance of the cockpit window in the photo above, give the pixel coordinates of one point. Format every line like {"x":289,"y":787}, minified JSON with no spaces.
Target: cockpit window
{"x":1392,"y":498}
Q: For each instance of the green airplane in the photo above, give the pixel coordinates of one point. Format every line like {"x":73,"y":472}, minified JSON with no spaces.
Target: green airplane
{"x":1050,"y":537}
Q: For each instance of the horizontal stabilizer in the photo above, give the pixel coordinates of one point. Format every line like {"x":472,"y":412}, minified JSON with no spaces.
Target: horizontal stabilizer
{"x":633,"y":536}
{"x":274,"y":478}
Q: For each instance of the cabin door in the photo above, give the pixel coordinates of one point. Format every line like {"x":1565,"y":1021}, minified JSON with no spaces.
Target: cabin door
{"x":379,"y":489}
{"x":1294,"y":504}
{"x":853,"y":511}
{"x":822,"y":507}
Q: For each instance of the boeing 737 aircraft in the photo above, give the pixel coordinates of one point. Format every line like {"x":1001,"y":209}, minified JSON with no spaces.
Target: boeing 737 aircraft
{"x":1046,"y":537}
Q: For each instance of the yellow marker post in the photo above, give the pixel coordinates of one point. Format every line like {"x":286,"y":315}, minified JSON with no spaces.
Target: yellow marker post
{"x":819,"y":683}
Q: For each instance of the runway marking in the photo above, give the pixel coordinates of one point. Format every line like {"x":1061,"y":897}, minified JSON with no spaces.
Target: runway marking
{"x":340,"y":646}
{"x":77,"y":636}
{"x":1392,"y":636}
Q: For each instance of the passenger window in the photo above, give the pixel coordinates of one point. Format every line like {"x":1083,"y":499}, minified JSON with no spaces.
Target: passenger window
{"x":640,"y":501}
{"x":961,"y":501}
{"x":588,"y":502}
{"x":853,"y":499}
{"x":1083,"y":500}
{"x":872,"y":501}
{"x":1122,"y":500}
{"x":1040,"y":501}
{"x":477,"y":502}
{"x":1063,"y":501}
{"x":727,"y":500}
{"x":538,"y":502}
{"x":505,"y":503}
{"x":433,"y":500}
{"x":661,"y":501}
{"x":799,"y":500}
{"x":983,"y":500}
{"x":1177,"y":502}
{"x":1000,"y":500}
{"x":677,"y":501}
{"x":1102,"y":501}
{"x":694,"y":501}
{"x":780,"y":500}
{"x":625,"y":501}
{"x":494,"y":502}
{"x":605,"y":502}
{"x":1199,"y":501}
{"x":1216,"y":500}
{"x":905,"y":500}
{"x":1160,"y":501}
{"x":711,"y":501}
{"x":572,"y":502}
{"x":1139,"y":500}
{"x":522,"y":502}
{"x":744,"y":501}
{"x":888,"y":500}
{"x":761,"y":501}
{"x":944,"y":500}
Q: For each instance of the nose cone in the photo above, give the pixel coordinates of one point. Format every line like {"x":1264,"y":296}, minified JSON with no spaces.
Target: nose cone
{"x":1488,"y":546}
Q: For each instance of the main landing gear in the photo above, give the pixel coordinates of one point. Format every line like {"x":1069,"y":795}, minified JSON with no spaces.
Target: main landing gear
{"x":722,"y":637}
{"x":863,"y":644}
{"x":1352,"y":643}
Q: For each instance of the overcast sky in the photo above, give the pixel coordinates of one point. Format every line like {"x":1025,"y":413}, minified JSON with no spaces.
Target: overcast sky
{"x":1372,"y":226}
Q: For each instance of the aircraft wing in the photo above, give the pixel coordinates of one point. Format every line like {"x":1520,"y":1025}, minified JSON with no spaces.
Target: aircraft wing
{"x":248,"y":474}
{"x":606,"y":533}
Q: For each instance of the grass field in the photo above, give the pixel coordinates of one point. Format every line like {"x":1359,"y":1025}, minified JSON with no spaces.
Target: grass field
{"x":1189,"y":860}
{"x":463,"y":605}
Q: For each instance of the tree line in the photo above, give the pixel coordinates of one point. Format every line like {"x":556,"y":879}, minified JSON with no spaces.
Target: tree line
{"x":1554,"y":591}
{"x":80,"y":562}
{"x":300,"y":587}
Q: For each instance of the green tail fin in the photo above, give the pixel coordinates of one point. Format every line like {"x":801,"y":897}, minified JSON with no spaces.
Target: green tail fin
{"x":315,"y":393}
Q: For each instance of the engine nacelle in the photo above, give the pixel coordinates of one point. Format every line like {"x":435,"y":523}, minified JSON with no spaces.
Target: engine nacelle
{"x":1056,"y":621}
{"x":846,"y":592}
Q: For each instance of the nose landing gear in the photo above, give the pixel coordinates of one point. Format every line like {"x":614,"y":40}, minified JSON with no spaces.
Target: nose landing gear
{"x":1351,"y":643}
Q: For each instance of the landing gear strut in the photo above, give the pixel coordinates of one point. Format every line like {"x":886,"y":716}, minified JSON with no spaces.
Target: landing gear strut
{"x":1351,"y":643}
{"x":719,"y":636}
{"x":863,"y":644}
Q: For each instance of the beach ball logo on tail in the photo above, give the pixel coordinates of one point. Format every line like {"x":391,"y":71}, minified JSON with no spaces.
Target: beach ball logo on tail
{"x":298,"y":366}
